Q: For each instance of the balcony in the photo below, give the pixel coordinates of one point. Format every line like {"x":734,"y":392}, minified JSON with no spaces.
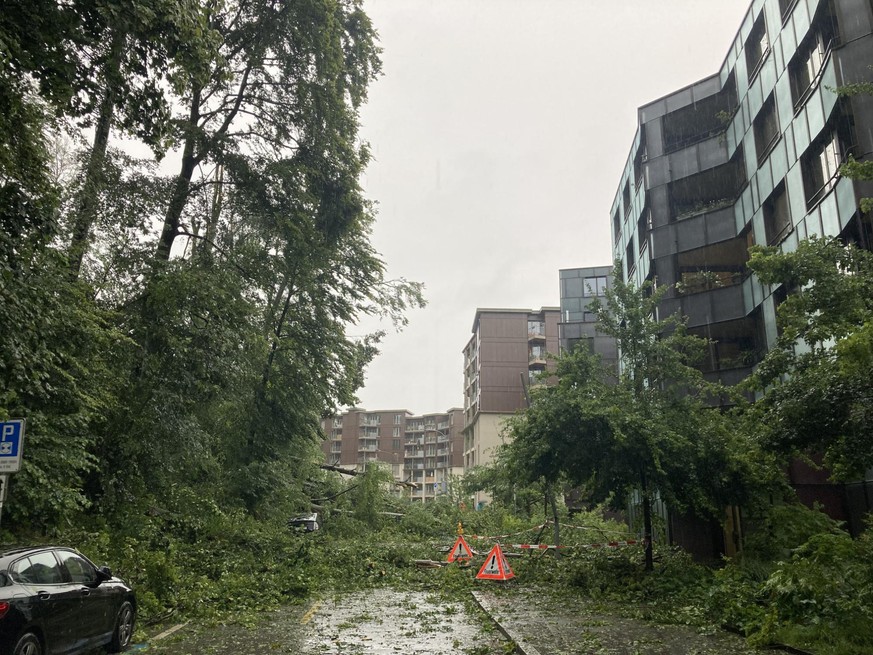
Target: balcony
{"x":699,"y":281}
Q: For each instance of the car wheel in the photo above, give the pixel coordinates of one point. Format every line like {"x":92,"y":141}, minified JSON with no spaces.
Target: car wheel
{"x":28,"y":645}
{"x":123,"y":628}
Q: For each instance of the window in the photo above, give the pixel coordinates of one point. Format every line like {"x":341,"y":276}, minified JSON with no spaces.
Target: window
{"x":616,"y":224}
{"x":80,"y":571}
{"x":398,"y":419}
{"x":819,"y":165}
{"x":536,"y":328}
{"x":626,"y":196}
{"x":711,"y":190}
{"x":785,"y":7}
{"x":777,"y":216}
{"x":396,"y":431}
{"x":39,"y":568}
{"x":766,"y":128}
{"x":630,"y":257}
{"x":644,"y":226}
{"x":640,"y":158}
{"x":701,"y":120}
{"x":594,"y":286}
{"x":395,"y":444}
{"x":805,"y":68}
{"x":757,"y":47}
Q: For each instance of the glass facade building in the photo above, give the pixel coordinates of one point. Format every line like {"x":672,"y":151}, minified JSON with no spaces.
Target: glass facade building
{"x":579,"y":288}
{"x":749,"y":155}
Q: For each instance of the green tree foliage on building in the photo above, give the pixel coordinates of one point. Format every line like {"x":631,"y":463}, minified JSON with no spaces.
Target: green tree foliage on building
{"x":815,"y":383}
{"x":648,"y":429}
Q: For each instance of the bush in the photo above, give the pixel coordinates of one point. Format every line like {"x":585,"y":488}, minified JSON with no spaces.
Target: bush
{"x":821,"y":597}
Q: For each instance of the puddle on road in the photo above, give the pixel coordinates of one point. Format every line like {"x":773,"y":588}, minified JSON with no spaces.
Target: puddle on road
{"x":388,"y":622}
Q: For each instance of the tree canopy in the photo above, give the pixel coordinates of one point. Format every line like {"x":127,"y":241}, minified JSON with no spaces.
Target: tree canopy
{"x":815,"y":384}
{"x":649,"y":428}
{"x":185,"y":330}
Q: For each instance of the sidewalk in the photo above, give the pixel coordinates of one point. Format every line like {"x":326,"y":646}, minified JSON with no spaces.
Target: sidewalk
{"x":543,"y":624}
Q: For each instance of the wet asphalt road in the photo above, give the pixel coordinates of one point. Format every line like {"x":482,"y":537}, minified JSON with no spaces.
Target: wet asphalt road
{"x":394,"y":622}
{"x":375,"y":622}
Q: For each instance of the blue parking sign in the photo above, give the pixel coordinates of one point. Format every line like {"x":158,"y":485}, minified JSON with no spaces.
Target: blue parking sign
{"x":11,"y":445}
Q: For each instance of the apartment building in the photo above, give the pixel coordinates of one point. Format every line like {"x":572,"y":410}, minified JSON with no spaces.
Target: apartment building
{"x":505,"y":356}
{"x":579,"y":287}
{"x":750,"y":155}
{"x":426,"y":451}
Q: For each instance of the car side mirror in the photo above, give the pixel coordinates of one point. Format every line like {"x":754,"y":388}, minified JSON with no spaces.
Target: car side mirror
{"x":104,"y":573}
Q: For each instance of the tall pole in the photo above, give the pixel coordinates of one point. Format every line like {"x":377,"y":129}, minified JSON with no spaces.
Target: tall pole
{"x":4,"y":482}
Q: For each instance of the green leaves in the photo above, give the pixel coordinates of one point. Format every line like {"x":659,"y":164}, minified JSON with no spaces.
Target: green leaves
{"x":206,"y":367}
{"x":603,"y":434}
{"x":815,"y":382}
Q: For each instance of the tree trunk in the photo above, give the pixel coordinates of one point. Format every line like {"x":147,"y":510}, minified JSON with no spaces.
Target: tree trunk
{"x":554,"y":506}
{"x":647,"y":521}
{"x":204,"y":250}
{"x":86,"y":203}
{"x":179,"y":197}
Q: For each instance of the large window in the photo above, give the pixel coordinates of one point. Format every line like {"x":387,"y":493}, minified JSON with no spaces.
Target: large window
{"x":777,"y":216}
{"x":708,"y":191}
{"x":805,"y":67}
{"x":717,"y":265}
{"x":630,"y":257}
{"x":640,"y":158}
{"x":785,"y":7}
{"x":757,"y":47}
{"x":594,"y":286}
{"x":820,"y":165}
{"x":766,"y":128}
{"x":644,"y":226}
{"x":701,"y":120}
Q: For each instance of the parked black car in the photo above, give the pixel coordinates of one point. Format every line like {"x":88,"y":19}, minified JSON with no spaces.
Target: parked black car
{"x":54,"y":600}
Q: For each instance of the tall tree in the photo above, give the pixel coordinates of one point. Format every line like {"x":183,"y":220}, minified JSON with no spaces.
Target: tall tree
{"x":141,"y":52}
{"x":651,"y":431}
{"x":287,"y":82}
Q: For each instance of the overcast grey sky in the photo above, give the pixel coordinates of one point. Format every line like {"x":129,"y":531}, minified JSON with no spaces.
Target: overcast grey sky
{"x":499,"y":132}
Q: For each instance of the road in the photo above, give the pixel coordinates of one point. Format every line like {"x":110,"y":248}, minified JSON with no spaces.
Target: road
{"x":395,"y":622}
{"x":375,"y":622}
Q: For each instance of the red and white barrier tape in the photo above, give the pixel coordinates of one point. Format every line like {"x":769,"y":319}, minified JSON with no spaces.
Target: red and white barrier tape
{"x":505,"y":536}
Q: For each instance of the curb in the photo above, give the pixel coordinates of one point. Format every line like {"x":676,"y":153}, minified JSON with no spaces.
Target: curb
{"x":521,"y":645}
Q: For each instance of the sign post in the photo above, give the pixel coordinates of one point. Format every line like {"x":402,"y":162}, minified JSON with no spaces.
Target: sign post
{"x":11,"y":450}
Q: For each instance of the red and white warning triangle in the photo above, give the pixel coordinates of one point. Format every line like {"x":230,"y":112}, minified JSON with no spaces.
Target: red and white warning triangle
{"x":495,"y":567}
{"x":460,"y":552}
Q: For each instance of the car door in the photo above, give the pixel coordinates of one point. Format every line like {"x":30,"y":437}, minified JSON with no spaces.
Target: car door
{"x":55,"y":603}
{"x":96,"y":613}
